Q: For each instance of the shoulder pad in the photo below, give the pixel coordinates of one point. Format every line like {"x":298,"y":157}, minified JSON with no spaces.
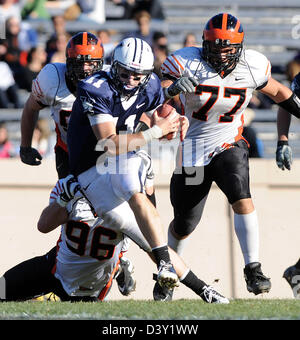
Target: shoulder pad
{"x":259,"y":65}
{"x":46,"y":84}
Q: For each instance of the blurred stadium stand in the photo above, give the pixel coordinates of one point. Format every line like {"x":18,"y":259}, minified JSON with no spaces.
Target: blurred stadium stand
{"x":271,"y":27}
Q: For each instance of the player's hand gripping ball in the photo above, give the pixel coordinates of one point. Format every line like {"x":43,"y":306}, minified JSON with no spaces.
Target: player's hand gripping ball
{"x":163,"y":111}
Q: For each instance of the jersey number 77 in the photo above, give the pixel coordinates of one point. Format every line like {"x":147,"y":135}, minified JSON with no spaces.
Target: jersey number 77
{"x":202,"y":113}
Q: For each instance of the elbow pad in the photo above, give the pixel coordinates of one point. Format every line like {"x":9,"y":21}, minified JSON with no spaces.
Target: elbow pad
{"x":292,"y":105}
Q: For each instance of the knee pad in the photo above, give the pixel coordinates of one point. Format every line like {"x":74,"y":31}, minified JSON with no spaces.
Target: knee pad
{"x":185,"y":225}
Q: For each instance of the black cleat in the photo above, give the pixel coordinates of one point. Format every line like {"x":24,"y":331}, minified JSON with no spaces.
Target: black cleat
{"x":257,"y":282}
{"x":162,"y":293}
{"x":292,"y":275}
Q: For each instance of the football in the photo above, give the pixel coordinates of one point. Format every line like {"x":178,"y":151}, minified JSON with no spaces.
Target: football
{"x":163,"y":111}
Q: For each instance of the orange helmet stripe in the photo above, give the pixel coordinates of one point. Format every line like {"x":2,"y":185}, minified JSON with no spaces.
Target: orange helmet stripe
{"x":85,"y":48}
{"x":223,"y":33}
{"x":224,"y":22}
{"x":84,"y":38}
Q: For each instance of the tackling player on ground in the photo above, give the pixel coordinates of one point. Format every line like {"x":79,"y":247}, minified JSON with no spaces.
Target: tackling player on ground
{"x":86,"y":259}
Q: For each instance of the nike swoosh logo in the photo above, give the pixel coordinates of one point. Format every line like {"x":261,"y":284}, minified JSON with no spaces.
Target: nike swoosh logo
{"x":237,"y":79}
{"x":138,"y":106}
{"x":87,"y":186}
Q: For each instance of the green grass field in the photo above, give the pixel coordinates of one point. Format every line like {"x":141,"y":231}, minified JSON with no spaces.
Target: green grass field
{"x":251,"y":309}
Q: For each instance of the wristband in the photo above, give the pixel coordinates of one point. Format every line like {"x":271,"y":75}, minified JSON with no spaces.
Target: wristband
{"x":282,"y":142}
{"x":61,"y":202}
{"x":154,"y":133}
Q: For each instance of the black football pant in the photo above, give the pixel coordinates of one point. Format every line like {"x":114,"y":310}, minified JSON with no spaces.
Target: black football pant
{"x":33,"y":278}
{"x":62,"y":162}
{"x":229,"y":170}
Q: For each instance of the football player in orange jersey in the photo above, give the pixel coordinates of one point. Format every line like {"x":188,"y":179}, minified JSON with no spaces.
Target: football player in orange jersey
{"x":55,"y":87}
{"x":215,"y":84}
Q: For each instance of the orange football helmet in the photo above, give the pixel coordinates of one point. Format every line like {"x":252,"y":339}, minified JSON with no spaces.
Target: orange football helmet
{"x":223,"y":38}
{"x":83,"y":47}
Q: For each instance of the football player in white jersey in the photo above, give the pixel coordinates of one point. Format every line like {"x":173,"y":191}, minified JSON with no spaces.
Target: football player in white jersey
{"x":84,"y":262}
{"x":55,"y":87}
{"x":107,"y":104}
{"x":215,"y":84}
{"x":284,"y":160}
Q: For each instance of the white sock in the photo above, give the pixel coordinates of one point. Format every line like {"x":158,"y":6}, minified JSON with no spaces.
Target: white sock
{"x":177,"y":245}
{"x":247,"y":231}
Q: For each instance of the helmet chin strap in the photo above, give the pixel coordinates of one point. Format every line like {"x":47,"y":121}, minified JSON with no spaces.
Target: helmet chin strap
{"x":71,"y":84}
{"x":128,"y":93}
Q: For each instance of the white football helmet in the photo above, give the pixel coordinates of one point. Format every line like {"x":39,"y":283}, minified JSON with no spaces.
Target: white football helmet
{"x":135,"y":55}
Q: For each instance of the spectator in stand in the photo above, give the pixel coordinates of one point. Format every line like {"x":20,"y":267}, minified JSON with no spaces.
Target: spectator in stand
{"x":35,"y":9}
{"x":59,"y":27}
{"x":28,"y":36}
{"x":143,"y":20}
{"x":293,"y":68}
{"x":9,"y":8}
{"x":256,"y":148}
{"x":59,"y":55}
{"x":153,"y":7}
{"x":260,"y":101}
{"x":41,"y":135}
{"x":105,"y":36}
{"x":36,"y":60}
{"x":92,"y":11}
{"x":190,"y":40}
{"x":160,"y":50}
{"x":9,"y":96}
{"x":11,"y":42}
{"x":6,"y":147}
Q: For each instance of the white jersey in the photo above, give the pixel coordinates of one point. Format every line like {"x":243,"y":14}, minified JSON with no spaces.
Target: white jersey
{"x":88,"y":251}
{"x":50,"y":89}
{"x":215,"y":110}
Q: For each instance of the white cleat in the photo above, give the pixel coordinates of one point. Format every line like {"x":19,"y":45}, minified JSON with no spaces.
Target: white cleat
{"x":124,"y":278}
{"x":210,"y":295}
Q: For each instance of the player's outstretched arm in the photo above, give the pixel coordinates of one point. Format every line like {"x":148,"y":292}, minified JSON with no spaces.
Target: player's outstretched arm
{"x":29,"y":118}
{"x":284,"y":156}
{"x":56,"y":212}
{"x":282,"y":96}
{"x":52,"y":216}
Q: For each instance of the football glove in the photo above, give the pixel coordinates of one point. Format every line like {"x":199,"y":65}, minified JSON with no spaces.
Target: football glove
{"x":181,"y":85}
{"x":69,"y":188}
{"x":30,"y":155}
{"x":284,"y":156}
